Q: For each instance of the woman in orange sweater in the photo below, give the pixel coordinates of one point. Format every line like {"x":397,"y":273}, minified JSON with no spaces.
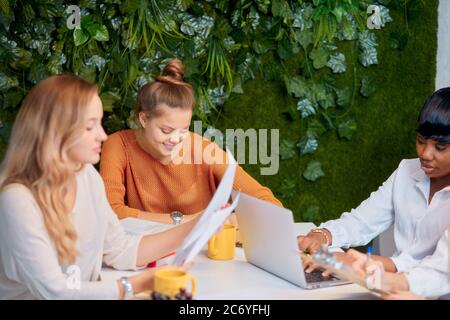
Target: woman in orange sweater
{"x":141,"y":177}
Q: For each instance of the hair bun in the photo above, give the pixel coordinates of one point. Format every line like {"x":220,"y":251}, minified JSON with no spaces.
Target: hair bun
{"x":173,"y":72}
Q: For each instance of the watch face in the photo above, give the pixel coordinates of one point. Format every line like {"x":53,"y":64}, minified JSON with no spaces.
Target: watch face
{"x":176,"y":217}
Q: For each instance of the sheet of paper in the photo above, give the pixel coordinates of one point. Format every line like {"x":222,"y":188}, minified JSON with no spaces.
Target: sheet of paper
{"x":212,"y":218}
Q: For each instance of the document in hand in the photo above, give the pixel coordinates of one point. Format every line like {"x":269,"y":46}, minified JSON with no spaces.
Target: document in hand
{"x":212,"y":218}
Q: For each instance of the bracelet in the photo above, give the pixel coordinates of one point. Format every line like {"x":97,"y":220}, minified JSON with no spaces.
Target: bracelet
{"x":128,"y":288}
{"x":327,"y":238}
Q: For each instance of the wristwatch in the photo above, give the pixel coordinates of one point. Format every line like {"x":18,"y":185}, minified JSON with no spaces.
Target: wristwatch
{"x":177,"y":217}
{"x":128,"y":288}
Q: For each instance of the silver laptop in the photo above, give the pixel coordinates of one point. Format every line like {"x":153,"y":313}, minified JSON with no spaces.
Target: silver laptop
{"x":270,"y":243}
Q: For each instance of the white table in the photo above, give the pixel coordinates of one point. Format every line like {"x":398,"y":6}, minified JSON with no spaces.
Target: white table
{"x":238,"y":280}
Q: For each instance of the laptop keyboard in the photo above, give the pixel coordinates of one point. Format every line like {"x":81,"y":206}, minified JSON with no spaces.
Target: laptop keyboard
{"x":316,"y":276}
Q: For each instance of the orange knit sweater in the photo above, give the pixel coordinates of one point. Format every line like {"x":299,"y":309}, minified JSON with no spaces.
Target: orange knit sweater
{"x":135,"y":181}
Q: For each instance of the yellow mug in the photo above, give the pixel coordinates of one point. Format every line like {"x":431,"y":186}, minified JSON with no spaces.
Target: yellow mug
{"x":221,"y":246}
{"x":169,"y":282}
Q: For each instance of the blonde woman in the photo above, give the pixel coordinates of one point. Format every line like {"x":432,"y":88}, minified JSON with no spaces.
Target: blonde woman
{"x":54,"y":215}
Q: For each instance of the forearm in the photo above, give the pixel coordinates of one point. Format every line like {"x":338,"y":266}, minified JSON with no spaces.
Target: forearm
{"x":157,"y":245}
{"x":388,"y":264}
{"x":396,"y":281}
{"x":140,"y":282}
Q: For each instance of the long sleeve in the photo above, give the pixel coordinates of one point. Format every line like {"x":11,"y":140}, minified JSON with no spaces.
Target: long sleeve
{"x":431,"y":277}
{"x":28,"y":256}
{"x":243,"y":181}
{"x":112,"y":169}
{"x":369,"y":219}
{"x":120,"y":249}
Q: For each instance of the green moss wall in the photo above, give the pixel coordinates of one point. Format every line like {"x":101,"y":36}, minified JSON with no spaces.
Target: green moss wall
{"x":386,"y":122}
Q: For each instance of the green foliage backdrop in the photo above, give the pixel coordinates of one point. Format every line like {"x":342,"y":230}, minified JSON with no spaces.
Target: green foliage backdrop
{"x":308,"y":67}
{"x":386,"y":122}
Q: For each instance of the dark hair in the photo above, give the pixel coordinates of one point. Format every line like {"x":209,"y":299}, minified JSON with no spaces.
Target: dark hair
{"x":169,"y":89}
{"x":434,"y":118}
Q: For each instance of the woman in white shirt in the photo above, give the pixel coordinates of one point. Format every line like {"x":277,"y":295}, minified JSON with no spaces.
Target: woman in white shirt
{"x":430,"y":279}
{"x":56,"y":225}
{"x":415,"y":198}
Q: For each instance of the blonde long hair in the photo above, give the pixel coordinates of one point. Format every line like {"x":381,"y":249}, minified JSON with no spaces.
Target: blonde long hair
{"x":48,"y":124}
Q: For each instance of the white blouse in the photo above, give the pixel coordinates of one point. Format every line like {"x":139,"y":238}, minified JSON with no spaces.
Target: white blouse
{"x":402,"y":200}
{"x":431,"y":278}
{"x":29,"y":267}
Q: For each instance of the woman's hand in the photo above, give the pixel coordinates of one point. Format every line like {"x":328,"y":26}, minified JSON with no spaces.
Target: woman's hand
{"x":310,"y":265}
{"x":312,"y":241}
{"x":371,"y":270}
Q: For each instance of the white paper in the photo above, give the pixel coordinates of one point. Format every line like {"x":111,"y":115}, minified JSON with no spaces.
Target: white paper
{"x":212,"y":218}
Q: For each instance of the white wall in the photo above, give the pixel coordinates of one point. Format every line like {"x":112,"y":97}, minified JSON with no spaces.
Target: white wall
{"x":443,"y":46}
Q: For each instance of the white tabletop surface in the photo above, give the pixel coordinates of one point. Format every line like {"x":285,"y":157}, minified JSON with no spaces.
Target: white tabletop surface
{"x":237,"y":279}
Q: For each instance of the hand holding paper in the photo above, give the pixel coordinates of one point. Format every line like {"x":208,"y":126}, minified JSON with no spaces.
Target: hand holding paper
{"x":212,"y":218}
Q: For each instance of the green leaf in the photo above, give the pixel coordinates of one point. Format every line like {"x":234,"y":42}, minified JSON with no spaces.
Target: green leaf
{"x":11,"y":99}
{"x":368,"y":57}
{"x":287,"y":188}
{"x":346,"y":129}
{"x":7,"y":83}
{"x":367,"y":40}
{"x":308,"y":143}
{"x":4,"y":6}
{"x":347,"y":29}
{"x":297,"y":86}
{"x":367,"y":86}
{"x":316,"y":127}
{"x":185,"y":4}
{"x":323,"y":96}
{"x":287,"y":149}
{"x":303,"y":17}
{"x":306,"y":108}
{"x":338,"y":12}
{"x":37,"y":72}
{"x":108,"y":99}
{"x":328,"y":122}
{"x":262,"y":44}
{"x":307,"y":68}
{"x":263,"y":5}
{"x":280,"y":8}
{"x":80,"y":36}
{"x":237,"y":88}
{"x":337,"y":63}
{"x":344,"y":96}
{"x":54,"y":64}
{"x":311,"y":214}
{"x":313,"y":171}
{"x":101,"y":33}
{"x":384,"y":15}
{"x":287,"y":49}
{"x":23,"y":59}
{"x":305,"y":38}
{"x":319,"y":56}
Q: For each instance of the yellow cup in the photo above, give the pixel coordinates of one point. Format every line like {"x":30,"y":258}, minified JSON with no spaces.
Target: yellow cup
{"x":221,"y":246}
{"x":170,"y":281}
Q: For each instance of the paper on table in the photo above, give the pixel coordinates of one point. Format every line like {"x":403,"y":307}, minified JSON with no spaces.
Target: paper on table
{"x":212,"y":218}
